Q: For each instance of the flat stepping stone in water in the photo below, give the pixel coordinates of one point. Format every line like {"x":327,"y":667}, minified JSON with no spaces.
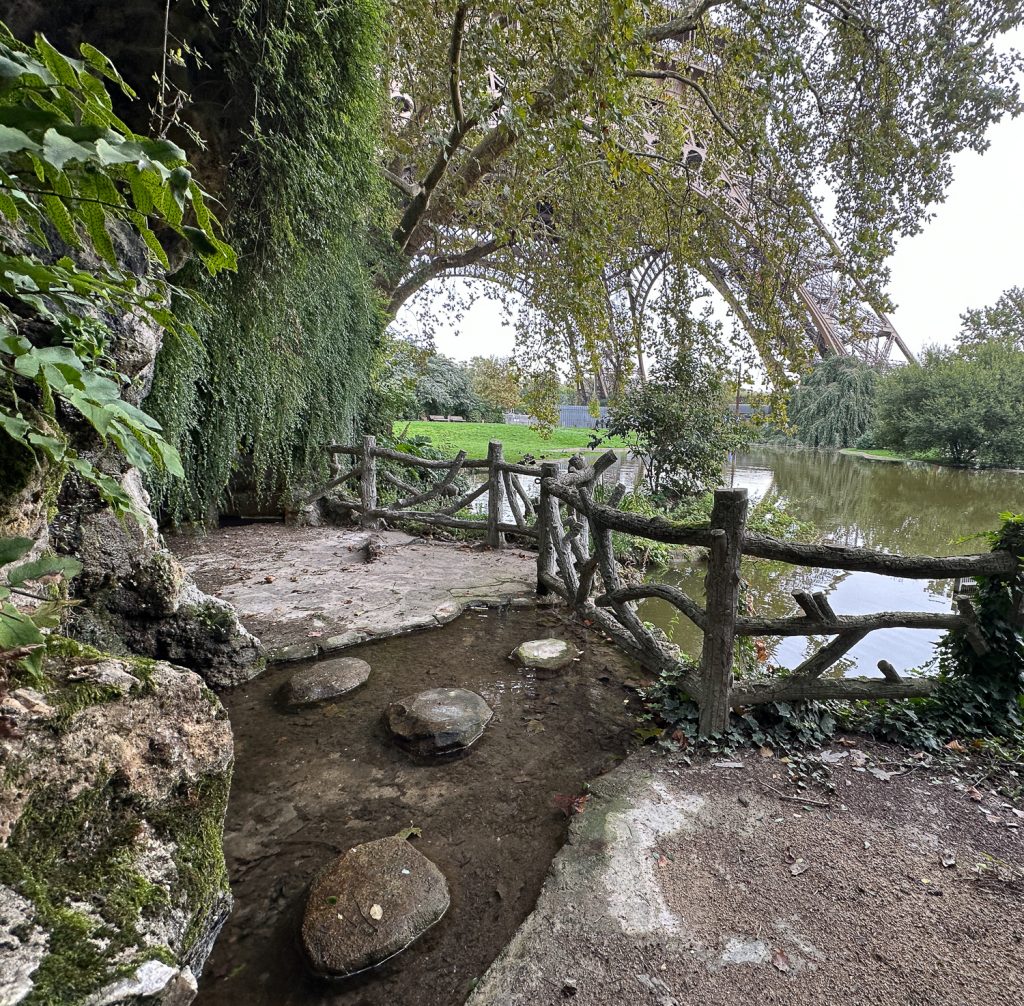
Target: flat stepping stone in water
{"x":438,"y":721}
{"x":546,"y":654}
{"x":328,"y":679}
{"x":369,"y":905}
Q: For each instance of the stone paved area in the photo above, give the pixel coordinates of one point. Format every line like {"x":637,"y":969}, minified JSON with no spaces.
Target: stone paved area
{"x":305,"y":591}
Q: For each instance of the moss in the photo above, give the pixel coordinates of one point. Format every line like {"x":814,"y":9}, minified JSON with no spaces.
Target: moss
{"x":196,"y":825}
{"x":84,"y":852}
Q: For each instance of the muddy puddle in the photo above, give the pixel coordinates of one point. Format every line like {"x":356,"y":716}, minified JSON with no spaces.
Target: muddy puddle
{"x":309,"y":785}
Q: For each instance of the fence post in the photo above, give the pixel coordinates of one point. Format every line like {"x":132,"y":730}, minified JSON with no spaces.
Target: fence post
{"x":368,"y":483}
{"x":722,"y":586}
{"x":545,"y":552}
{"x":495,"y":495}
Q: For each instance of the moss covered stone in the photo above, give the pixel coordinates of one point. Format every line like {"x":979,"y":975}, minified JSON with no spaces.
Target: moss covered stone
{"x":111,"y":818}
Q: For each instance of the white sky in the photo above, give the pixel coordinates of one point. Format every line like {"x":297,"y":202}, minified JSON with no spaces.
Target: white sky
{"x":966,"y":255}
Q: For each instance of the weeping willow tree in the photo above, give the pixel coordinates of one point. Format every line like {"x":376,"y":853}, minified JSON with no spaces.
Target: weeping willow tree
{"x":834,"y":406}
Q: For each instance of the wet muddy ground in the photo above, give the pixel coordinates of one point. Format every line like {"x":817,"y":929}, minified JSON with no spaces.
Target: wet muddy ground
{"x":310,"y":785}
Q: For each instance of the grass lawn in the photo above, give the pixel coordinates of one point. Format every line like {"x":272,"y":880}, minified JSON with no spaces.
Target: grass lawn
{"x":517,"y":440}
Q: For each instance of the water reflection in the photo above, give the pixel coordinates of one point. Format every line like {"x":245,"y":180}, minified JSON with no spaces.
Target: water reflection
{"x":909,"y":509}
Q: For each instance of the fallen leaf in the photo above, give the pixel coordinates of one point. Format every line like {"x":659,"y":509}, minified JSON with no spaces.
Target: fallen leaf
{"x":976,"y":795}
{"x":955,"y":746}
{"x":800,"y":866}
{"x":766,"y":752}
{"x":780,"y":961}
{"x":534,"y":727}
{"x":376,"y":913}
{"x":847,"y":742}
{"x":833,"y":757}
{"x":880,"y":773}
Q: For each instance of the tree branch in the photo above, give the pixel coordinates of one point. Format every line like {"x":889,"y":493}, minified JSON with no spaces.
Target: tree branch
{"x":455,"y":62}
{"x":411,"y":189}
{"x":690,"y":82}
{"x":435,"y":267}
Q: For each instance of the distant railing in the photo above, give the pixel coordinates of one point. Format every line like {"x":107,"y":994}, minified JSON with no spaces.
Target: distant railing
{"x":576,"y":561}
{"x":500,"y":485}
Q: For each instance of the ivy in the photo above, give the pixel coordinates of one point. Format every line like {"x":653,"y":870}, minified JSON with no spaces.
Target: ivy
{"x":283,"y":361}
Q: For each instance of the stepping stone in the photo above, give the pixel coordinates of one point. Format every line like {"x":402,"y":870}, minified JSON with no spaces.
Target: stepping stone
{"x":327,"y":679}
{"x":439,"y":721}
{"x":369,"y":905}
{"x":545,"y":654}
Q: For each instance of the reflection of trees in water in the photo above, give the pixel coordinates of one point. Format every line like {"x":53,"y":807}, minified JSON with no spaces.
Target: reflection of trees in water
{"x":911,"y":509}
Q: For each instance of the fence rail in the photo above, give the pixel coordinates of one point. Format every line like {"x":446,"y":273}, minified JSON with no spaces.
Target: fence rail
{"x":576,"y":561}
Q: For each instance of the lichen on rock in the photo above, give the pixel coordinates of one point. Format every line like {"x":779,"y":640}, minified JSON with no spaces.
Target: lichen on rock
{"x":112,"y":875}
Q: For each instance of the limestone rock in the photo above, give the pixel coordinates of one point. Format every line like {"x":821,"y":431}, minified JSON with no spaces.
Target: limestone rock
{"x":127,"y":788}
{"x":327,"y":679}
{"x":438,"y":721}
{"x":369,"y":905}
{"x":545,"y":654}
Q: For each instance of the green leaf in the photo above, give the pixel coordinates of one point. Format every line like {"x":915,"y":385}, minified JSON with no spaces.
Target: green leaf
{"x":17,"y":629}
{"x":47,"y":565}
{"x":58,"y":149}
{"x":12,"y":549}
{"x":13,"y":140}
{"x":64,"y":69}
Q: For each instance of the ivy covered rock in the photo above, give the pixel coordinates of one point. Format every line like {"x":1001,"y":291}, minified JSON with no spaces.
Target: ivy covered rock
{"x":112,"y":878}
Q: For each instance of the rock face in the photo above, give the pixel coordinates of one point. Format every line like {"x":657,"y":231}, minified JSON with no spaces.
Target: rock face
{"x":545,"y":654}
{"x":369,"y":905}
{"x":112,"y":878}
{"x":328,"y":679}
{"x":438,"y":721}
{"x":138,"y":598}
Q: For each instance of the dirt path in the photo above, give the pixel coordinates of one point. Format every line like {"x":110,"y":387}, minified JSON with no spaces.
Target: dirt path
{"x":699,"y":884}
{"x":304,"y":591}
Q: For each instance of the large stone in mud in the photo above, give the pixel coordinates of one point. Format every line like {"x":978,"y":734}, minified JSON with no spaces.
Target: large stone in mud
{"x":545,"y":654}
{"x":369,"y":905}
{"x":328,"y":679}
{"x":438,"y":721}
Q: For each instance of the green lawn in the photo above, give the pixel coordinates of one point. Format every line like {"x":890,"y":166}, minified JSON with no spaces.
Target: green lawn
{"x":517,"y":440}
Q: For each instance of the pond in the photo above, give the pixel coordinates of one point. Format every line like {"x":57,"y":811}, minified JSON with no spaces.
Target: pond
{"x":910,"y":509}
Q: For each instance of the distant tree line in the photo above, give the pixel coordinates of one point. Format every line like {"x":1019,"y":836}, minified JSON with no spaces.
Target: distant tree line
{"x":960,"y":403}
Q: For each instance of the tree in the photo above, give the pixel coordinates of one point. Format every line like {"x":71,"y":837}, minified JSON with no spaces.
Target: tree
{"x":677,"y":421}
{"x":1003,"y":320}
{"x":552,"y":146}
{"x":963,"y":404}
{"x":833,"y":406}
{"x":496,"y":381}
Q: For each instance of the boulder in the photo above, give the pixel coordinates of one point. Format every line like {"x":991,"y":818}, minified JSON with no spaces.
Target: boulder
{"x":545,"y":654}
{"x":328,"y":679}
{"x":110,"y":832}
{"x":369,"y":905}
{"x":438,"y":721}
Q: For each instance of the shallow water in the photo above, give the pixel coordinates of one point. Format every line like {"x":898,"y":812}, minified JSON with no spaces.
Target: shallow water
{"x":910,"y":509}
{"x":310,"y":785}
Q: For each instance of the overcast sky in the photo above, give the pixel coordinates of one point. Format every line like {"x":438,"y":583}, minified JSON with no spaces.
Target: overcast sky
{"x":970,"y":252}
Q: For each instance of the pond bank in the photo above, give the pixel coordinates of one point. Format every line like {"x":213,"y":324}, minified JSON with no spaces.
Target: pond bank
{"x":305,"y":591}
